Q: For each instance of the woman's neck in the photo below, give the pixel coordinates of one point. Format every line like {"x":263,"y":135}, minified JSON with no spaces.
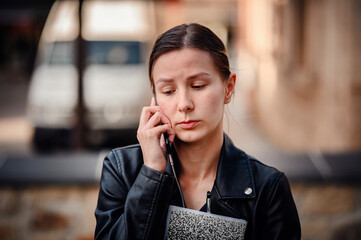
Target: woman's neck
{"x":200,"y":159}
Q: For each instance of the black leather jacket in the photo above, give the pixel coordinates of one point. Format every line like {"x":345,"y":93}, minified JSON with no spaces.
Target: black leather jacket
{"x":134,"y":199}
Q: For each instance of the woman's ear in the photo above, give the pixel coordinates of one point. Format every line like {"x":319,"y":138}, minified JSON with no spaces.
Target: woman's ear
{"x":230,"y":87}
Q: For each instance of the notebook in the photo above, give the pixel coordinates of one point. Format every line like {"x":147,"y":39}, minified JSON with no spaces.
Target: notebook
{"x":183,"y":223}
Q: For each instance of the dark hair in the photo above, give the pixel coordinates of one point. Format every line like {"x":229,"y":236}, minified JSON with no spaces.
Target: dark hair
{"x":191,"y":36}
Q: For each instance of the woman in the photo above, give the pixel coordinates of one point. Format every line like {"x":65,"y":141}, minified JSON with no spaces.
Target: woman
{"x":192,"y":83}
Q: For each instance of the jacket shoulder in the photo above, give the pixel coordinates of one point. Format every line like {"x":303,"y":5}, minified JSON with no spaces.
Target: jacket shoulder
{"x":263,"y":173}
{"x":127,"y":160}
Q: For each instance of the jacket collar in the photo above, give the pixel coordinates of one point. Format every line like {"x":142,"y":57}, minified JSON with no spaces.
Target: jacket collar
{"x":234,"y":174}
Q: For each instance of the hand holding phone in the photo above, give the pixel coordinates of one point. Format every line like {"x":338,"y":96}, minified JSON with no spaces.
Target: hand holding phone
{"x":153,"y":125}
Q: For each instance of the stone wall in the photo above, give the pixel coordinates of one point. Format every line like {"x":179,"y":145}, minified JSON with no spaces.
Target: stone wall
{"x":42,"y":213}
{"x":327,"y":212}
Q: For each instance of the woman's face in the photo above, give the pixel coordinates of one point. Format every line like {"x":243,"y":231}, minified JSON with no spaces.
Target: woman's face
{"x":191,"y":93}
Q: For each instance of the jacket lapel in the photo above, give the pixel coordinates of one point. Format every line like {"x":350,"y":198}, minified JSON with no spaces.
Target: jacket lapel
{"x":234,"y":179}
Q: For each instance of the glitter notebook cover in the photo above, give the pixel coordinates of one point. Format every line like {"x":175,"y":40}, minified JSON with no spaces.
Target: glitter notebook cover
{"x":183,"y":223}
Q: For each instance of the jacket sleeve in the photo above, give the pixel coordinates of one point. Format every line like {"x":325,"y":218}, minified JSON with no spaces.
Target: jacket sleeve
{"x":128,"y":208}
{"x":281,"y":218}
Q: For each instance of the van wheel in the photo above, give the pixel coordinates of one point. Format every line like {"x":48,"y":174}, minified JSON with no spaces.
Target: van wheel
{"x":46,"y":139}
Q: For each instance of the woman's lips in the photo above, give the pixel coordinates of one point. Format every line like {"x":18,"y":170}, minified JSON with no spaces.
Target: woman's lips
{"x":188,"y":124}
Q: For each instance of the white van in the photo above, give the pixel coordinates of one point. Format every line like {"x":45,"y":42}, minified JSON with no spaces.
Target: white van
{"x":117,"y":37}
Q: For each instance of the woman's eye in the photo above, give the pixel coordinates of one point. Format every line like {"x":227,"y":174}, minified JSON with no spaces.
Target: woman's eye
{"x":198,"y":86}
{"x":168,"y":92}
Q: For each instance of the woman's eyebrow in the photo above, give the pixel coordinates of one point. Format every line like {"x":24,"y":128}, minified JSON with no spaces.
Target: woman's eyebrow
{"x":198,"y":75}
{"x":166,"y":80}
{"x":191,"y":77}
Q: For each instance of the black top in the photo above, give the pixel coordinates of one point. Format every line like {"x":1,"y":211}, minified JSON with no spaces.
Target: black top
{"x":134,"y":199}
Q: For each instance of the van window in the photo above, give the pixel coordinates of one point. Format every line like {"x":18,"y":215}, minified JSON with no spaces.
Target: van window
{"x":97,"y":52}
{"x":113,"y":52}
{"x":62,"y":53}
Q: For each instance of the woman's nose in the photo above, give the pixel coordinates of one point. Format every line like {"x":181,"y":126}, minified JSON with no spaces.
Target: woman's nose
{"x":185,"y":103}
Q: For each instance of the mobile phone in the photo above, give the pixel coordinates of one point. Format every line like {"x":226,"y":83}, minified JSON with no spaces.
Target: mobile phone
{"x":166,"y":138}
{"x":170,"y":158}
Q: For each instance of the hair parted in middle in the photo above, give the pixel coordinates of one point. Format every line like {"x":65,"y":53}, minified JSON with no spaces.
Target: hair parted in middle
{"x":191,"y":36}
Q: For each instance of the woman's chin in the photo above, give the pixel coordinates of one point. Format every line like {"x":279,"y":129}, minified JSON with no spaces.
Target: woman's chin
{"x":199,"y":134}
{"x":189,"y":136}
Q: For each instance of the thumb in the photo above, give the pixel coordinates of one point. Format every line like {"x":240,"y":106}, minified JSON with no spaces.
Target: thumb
{"x":162,"y":145}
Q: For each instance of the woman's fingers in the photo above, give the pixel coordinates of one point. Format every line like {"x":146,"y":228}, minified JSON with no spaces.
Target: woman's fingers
{"x":157,"y":119}
{"x":153,"y":114}
{"x":153,"y":102}
{"x":171,"y":135}
{"x":147,"y":113}
{"x":158,"y":131}
{"x":152,"y":124}
{"x":151,"y":117}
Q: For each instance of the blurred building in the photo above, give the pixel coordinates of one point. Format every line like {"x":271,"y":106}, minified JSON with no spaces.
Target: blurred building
{"x":306,"y":89}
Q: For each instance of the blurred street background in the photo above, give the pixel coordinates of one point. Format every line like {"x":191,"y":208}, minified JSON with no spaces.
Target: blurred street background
{"x":67,"y":98}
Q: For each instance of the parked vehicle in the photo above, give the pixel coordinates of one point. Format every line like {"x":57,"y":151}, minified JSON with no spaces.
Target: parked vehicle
{"x":117,"y":37}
